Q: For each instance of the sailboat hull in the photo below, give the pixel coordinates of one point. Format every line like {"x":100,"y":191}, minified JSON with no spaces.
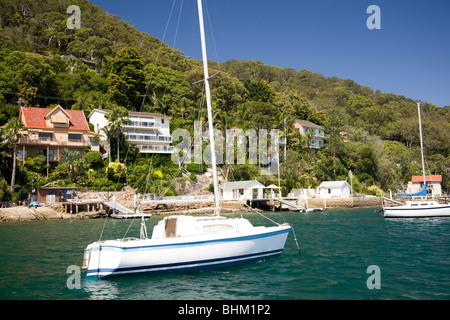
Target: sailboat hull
{"x":116,"y":257}
{"x":412,"y":212}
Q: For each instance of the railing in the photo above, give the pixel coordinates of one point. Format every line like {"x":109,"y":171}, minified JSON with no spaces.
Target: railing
{"x":53,"y":141}
{"x":134,"y":137}
{"x":152,"y":199}
{"x":142,"y":124}
{"x":151,"y":149}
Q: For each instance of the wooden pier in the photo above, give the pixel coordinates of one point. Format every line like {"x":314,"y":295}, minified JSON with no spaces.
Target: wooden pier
{"x":85,"y":206}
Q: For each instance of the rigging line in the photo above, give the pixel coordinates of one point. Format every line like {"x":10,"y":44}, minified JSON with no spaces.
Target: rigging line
{"x":101,"y":233}
{"x":148,"y":175}
{"x":128,"y":229}
{"x":173,"y":51}
{"x":178,"y":24}
{"x":212,"y":33}
{"x":176,"y":174}
{"x":220,"y":29}
{"x":157,"y":55}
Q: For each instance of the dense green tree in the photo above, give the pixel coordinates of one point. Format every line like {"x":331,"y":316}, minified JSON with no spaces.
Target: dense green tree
{"x":166,"y":88}
{"x":126,"y":78}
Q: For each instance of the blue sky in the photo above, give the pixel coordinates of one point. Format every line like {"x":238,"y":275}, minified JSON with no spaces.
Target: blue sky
{"x":409,"y":55}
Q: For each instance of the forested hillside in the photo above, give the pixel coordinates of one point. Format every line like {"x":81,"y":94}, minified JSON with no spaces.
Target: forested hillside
{"x":373,"y":134}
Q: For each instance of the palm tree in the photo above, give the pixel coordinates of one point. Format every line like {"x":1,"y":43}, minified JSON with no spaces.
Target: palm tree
{"x":71,"y":159}
{"x":71,"y":64}
{"x":12,"y":132}
{"x":181,"y":109}
{"x":117,"y":118}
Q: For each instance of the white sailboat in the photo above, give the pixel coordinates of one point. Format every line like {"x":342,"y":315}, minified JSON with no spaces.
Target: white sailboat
{"x":188,"y":243}
{"x":418,"y":209}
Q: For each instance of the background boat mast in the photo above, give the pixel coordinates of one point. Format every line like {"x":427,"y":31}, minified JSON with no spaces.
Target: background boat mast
{"x":421,"y":146}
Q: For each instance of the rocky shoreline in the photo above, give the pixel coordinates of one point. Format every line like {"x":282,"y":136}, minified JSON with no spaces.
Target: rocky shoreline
{"x":23,"y":213}
{"x":55,"y":212}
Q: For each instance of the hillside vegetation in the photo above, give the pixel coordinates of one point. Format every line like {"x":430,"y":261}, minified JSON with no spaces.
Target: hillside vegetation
{"x":373,"y":134}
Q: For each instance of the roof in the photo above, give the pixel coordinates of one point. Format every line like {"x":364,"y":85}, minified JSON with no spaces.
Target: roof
{"x":36,"y":118}
{"x":432,"y":178}
{"x":242,"y":184}
{"x":58,"y":188}
{"x":333,"y":184}
{"x":306,"y":123}
{"x":133,"y":113}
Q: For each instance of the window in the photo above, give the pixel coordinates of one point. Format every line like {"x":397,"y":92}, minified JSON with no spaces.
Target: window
{"x":237,"y":193}
{"x":94,"y":142}
{"x":162,"y":121}
{"x":75,"y":137}
{"x":21,"y":154}
{"x":45,"y":136}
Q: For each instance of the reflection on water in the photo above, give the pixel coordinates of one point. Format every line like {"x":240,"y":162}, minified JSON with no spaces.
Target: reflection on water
{"x":100,"y":289}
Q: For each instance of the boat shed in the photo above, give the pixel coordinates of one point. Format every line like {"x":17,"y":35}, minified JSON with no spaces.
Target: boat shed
{"x":334,"y":189}
{"x":50,"y":195}
{"x":242,"y":190}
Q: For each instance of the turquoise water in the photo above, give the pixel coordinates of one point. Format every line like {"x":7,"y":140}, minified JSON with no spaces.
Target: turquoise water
{"x":337,"y":248}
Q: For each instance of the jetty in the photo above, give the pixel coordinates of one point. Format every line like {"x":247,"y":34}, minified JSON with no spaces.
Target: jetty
{"x":180,"y":200}
{"x":120,"y":212}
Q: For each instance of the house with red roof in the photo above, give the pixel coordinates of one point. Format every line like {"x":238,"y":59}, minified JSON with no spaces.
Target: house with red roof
{"x":49,"y":131}
{"x":433,"y":184}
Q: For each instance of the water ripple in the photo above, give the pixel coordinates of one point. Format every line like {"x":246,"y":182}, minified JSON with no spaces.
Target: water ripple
{"x":337,"y":246}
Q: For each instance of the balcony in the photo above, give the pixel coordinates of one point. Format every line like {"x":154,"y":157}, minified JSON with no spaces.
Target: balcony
{"x":52,"y":141}
{"x":143,"y":125}
{"x":148,"y":138}
{"x":155,"y":149}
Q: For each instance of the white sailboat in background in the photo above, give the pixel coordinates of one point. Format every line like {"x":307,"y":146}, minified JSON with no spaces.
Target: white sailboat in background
{"x":418,"y":209}
{"x":188,"y":243}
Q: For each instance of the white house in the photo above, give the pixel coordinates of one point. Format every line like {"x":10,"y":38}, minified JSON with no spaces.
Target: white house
{"x":150,"y":132}
{"x":317,"y":134}
{"x":242,"y":190}
{"x":334,"y":189}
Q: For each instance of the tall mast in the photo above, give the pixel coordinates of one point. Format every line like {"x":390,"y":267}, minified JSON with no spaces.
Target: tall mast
{"x":421,"y":146}
{"x":208,"y":104}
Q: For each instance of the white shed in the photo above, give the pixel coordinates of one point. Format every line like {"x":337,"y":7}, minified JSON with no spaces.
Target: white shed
{"x":334,"y":189}
{"x":242,"y":190}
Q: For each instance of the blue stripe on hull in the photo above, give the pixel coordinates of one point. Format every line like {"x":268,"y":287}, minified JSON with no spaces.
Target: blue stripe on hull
{"x":174,"y":245}
{"x":187,"y":266}
{"x":411,"y":209}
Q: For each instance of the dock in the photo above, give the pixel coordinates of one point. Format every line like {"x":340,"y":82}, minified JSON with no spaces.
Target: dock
{"x":180,"y":200}
{"x":293,"y":206}
{"x":131,"y":216}
{"x":119,"y":208}
{"x":78,"y":205}
{"x":75,"y":206}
